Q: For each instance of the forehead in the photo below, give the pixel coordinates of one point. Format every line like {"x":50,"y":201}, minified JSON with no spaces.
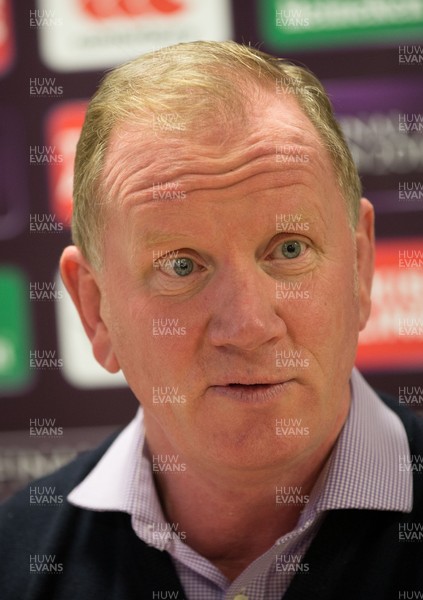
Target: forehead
{"x":275,"y":146}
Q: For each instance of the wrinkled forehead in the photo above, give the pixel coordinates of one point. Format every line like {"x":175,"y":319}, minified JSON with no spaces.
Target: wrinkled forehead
{"x":275,"y":135}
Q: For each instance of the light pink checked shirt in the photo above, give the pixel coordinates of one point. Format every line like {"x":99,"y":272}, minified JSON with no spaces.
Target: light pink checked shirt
{"x":362,"y":472}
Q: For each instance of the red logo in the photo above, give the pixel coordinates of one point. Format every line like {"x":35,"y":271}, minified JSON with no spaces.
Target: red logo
{"x":63,"y":128}
{"x":6,"y":36}
{"x":98,"y":9}
{"x":393,"y":337}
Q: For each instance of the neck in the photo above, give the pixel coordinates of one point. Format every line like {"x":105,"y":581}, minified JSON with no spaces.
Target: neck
{"x":219,"y":511}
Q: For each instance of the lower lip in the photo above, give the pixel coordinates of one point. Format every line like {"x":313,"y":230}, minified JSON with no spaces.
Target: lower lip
{"x":250,"y":394}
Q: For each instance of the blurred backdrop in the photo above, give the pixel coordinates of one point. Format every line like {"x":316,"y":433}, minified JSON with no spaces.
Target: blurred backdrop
{"x":54,"y":399}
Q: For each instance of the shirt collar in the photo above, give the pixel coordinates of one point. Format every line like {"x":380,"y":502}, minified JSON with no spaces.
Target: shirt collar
{"x":106,"y":486}
{"x":363,"y":471}
{"x":364,"y":467}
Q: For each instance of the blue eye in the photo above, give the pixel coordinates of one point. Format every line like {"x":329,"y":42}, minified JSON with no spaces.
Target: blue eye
{"x":182,"y":266}
{"x":291,"y":249}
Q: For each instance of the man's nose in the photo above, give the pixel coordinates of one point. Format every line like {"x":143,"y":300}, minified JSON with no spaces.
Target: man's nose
{"x":244,"y":309}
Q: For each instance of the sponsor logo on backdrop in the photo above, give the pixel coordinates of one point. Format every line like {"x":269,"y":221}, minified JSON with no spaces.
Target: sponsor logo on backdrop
{"x":383,"y":124}
{"x":94,"y":34}
{"x":308,"y":24}
{"x":98,"y":9}
{"x":7,"y":42}
{"x":393,"y":337}
{"x":381,"y":145}
{"x":15,"y":331}
{"x":62,"y":130}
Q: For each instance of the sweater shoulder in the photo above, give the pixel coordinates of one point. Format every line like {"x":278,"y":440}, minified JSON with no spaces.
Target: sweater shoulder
{"x":413,"y":424}
{"x":65,"y":552}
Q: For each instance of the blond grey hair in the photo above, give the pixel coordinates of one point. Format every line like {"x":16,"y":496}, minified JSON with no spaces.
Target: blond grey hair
{"x":206,"y":80}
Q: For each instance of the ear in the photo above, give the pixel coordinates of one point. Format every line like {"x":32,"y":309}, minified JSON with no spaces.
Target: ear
{"x":81,"y":281}
{"x":365,"y":247}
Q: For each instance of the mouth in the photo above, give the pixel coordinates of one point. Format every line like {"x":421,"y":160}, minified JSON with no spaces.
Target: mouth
{"x":251,"y":392}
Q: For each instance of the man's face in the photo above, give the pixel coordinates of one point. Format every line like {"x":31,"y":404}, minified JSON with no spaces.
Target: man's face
{"x":232,"y":306}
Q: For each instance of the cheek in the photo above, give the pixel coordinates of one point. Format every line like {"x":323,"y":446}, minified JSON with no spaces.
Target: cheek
{"x":155,"y":342}
{"x":326,"y":297}
{"x":326,"y":323}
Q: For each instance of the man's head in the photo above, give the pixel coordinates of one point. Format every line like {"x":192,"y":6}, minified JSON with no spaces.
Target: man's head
{"x":227,"y":262}
{"x":193,"y":85}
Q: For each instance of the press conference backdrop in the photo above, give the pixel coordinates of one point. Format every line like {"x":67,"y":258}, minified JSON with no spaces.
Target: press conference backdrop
{"x":54,"y":400}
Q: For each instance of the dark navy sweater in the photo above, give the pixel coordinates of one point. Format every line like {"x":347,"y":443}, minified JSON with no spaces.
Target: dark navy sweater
{"x":61,"y":552}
